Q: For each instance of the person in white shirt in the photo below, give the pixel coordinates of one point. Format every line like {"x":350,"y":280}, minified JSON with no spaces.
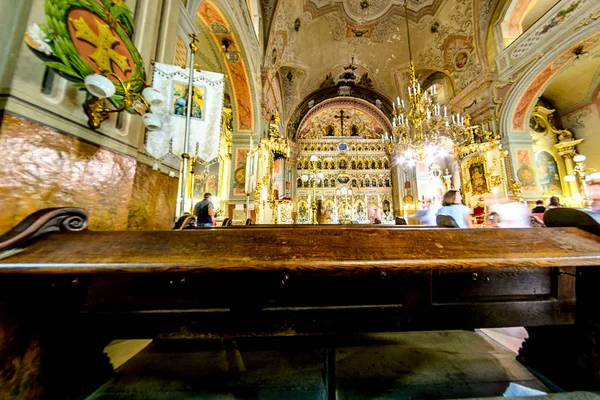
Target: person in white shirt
{"x":453,"y":207}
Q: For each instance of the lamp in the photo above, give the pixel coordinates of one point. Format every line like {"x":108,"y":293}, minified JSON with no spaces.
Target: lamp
{"x":149,"y":104}
{"x":232,"y":55}
{"x":579,"y":54}
{"x":583,"y":174}
{"x":314,"y":177}
{"x":422,"y":127}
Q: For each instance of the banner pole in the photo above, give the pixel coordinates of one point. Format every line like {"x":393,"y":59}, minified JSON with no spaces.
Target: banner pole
{"x":188,"y":119}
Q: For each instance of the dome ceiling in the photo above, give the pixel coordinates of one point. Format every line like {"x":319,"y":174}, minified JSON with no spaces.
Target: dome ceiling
{"x":312,"y":42}
{"x":366,"y":11}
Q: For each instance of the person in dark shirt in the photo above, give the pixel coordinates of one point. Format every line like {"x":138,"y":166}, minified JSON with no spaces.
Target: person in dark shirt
{"x":204,"y":211}
{"x":539,"y":207}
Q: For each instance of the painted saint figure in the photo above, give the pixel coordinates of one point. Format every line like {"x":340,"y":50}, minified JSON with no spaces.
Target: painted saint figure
{"x":478,"y":183}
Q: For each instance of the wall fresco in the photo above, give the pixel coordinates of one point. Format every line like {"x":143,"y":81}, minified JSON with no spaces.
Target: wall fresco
{"x":239,"y":172}
{"x":525,"y":172}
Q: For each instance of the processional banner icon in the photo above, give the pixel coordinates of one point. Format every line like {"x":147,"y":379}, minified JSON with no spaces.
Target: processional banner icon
{"x":205,"y":121}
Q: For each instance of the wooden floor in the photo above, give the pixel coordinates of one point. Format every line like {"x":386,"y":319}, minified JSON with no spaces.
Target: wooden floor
{"x":415,"y":365}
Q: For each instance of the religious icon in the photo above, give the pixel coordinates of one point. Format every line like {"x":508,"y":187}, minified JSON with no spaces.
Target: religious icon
{"x":211,"y":184}
{"x":548,"y":176}
{"x":386,"y":207}
{"x":198,"y":186}
{"x":180,"y":99}
{"x":360,"y":210}
{"x":461,"y":59}
{"x":478,"y":182}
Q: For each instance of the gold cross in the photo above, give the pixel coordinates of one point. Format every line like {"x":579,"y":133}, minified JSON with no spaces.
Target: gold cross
{"x":104,"y":42}
{"x":342,"y":117}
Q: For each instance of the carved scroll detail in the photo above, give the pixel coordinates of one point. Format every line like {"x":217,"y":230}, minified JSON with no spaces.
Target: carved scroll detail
{"x":44,"y":221}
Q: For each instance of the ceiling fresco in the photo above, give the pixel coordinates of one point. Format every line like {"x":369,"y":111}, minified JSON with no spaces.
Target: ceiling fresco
{"x":365,"y":11}
{"x":311,"y":42}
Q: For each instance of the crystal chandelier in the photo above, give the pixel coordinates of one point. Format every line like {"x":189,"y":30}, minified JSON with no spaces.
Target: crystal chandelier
{"x":422,"y":127}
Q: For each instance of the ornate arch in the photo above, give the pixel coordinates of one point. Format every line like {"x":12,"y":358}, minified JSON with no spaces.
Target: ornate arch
{"x":226,"y":39}
{"x":519,"y":103}
{"x":345,"y":103}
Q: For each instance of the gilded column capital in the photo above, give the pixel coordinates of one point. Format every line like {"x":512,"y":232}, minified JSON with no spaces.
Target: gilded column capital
{"x":568,"y":152}
{"x":567,"y":148}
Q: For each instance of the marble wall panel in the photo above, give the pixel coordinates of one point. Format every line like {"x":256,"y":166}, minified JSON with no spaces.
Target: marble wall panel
{"x":41,"y":167}
{"x":153,"y":200}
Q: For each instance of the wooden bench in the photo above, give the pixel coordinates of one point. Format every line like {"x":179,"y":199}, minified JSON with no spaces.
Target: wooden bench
{"x":65,"y":294}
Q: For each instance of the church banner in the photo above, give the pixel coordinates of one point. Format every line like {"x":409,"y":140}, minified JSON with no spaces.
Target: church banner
{"x":205,"y":124}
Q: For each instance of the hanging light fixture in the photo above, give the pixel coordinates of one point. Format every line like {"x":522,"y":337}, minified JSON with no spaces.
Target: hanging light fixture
{"x":422,"y":127}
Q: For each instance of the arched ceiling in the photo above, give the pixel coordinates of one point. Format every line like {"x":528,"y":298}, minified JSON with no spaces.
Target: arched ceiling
{"x":575,"y":85}
{"x":311,"y":42}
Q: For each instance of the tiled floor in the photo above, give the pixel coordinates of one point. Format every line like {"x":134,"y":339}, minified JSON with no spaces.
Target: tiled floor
{"x":415,"y":365}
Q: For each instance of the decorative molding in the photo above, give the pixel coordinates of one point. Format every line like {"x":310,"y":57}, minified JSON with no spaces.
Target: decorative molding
{"x":44,"y":221}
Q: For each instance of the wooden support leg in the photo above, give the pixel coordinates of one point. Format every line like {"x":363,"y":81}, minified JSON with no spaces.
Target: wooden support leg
{"x":329,"y":373}
{"x":566,"y":355}
{"x":44,"y":353}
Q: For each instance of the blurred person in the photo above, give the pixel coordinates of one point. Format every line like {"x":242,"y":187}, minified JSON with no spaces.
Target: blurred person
{"x":554,"y":203}
{"x":539,"y":207}
{"x":594,"y":193}
{"x":452,"y":206}
{"x":512,"y":214}
{"x":493,"y":219}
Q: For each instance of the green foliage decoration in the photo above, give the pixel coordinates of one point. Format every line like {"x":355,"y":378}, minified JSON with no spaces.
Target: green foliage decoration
{"x":66,"y":60}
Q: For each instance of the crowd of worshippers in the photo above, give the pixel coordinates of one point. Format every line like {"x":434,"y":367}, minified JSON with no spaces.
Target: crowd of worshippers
{"x":502,"y":214}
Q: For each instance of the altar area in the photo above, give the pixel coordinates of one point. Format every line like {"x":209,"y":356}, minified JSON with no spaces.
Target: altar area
{"x":356,"y":185}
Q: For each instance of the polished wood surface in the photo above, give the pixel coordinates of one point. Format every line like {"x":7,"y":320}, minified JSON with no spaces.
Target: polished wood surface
{"x":86,"y":288}
{"x":308,"y":248}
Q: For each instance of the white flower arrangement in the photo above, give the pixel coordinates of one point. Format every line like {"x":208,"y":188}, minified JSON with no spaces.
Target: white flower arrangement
{"x":38,"y":39}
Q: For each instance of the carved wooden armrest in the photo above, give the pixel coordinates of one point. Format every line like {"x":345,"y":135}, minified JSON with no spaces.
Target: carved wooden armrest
{"x":44,"y":221}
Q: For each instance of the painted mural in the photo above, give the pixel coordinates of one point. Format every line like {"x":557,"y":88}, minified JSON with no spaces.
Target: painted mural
{"x":525,"y":171}
{"x":178,"y":104}
{"x":239,"y":171}
{"x":547,"y":173}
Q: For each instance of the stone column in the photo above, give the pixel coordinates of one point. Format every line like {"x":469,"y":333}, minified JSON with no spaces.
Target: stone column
{"x":13,"y":22}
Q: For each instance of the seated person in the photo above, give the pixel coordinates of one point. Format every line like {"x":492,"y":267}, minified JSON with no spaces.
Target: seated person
{"x":594,"y":193}
{"x":539,"y":207}
{"x":554,"y":203}
{"x":453,"y":207}
{"x":493,"y":220}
